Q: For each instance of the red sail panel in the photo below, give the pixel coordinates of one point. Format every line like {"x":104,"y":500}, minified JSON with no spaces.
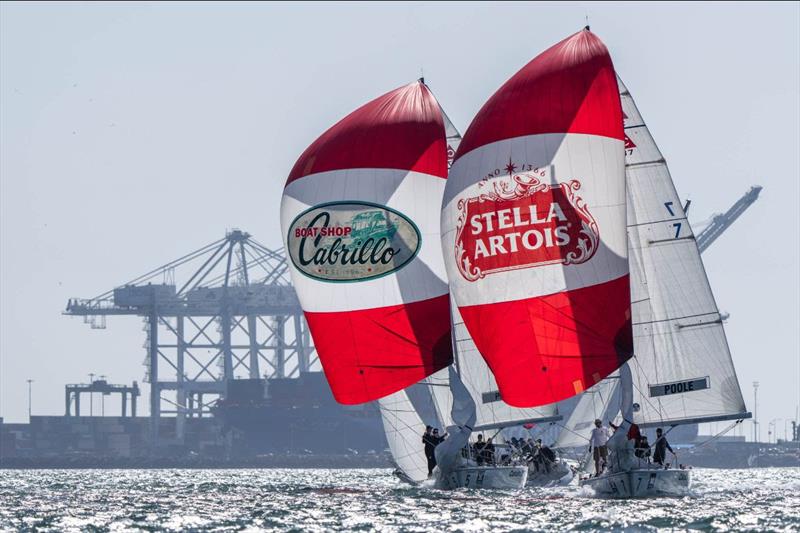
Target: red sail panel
{"x":534,"y":226}
{"x":382,"y":348}
{"x":563,"y":90}
{"x":361,"y":228}
{"x":401,"y":129}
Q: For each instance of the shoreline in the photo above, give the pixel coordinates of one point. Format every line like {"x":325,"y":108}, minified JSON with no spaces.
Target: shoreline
{"x":151,"y":463}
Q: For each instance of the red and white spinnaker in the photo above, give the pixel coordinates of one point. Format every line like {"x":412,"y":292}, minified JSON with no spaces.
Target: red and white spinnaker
{"x":533,"y":226}
{"x":360,"y":217}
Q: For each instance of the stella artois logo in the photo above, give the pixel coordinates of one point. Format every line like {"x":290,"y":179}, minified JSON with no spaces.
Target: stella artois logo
{"x":351,"y":241}
{"x":519,"y":220}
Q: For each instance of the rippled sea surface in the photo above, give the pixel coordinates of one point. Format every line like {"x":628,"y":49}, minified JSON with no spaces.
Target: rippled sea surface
{"x":365,"y":500}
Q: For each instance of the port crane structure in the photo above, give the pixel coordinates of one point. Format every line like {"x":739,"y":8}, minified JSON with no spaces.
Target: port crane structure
{"x":235,"y":309}
{"x":234,"y":314}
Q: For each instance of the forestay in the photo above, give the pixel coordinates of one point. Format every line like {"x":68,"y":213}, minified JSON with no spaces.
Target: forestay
{"x":682,"y":370}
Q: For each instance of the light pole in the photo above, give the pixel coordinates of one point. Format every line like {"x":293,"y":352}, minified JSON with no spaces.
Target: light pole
{"x":29,"y":400}
{"x":91,"y":395}
{"x":102,"y":401}
{"x":755,"y":411}
{"x":774,"y":423}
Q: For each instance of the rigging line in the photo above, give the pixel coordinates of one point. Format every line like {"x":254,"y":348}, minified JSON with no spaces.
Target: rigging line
{"x":718,"y":435}
{"x":571,"y":431}
{"x":635,"y":385}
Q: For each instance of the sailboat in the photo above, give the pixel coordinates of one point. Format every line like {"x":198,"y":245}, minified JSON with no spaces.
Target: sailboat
{"x":453,"y":394}
{"x":534,"y":232}
{"x":493,"y":414}
{"x":360,"y":220}
{"x":682,"y":371}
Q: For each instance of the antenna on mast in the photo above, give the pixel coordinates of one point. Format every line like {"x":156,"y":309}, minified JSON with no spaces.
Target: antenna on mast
{"x":421,"y":76}
{"x":587,"y":28}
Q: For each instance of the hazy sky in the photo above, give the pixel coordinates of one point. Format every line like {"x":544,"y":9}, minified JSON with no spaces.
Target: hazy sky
{"x":133,"y":133}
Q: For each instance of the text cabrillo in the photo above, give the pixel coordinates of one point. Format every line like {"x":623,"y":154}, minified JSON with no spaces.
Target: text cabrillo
{"x":351,"y":241}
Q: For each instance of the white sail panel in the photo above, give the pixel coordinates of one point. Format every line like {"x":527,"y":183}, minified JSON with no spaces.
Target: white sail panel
{"x":404,"y":429}
{"x":682,"y":369}
{"x":492,"y":411}
{"x":439,"y":386}
{"x":594,"y":404}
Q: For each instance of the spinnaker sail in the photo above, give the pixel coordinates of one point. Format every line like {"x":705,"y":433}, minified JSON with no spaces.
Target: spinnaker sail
{"x":533,"y":227}
{"x":492,"y":411}
{"x":360,"y":220}
{"x":682,"y":371}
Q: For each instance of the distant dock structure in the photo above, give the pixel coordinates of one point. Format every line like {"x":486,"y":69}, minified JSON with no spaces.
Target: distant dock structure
{"x":72,"y":395}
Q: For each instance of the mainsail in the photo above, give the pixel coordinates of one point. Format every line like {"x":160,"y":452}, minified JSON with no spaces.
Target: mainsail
{"x":533,"y":227}
{"x":359,"y":216}
{"x":682,"y":370}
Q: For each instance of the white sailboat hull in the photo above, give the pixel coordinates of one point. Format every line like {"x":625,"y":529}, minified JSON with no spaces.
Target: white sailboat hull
{"x":640,"y":483}
{"x":485,"y":477}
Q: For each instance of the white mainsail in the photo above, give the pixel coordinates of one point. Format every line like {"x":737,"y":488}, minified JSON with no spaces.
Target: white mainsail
{"x":682,"y":369}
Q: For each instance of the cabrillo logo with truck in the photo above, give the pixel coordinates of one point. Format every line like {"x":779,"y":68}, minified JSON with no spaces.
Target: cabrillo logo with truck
{"x":520,"y":220}
{"x":351,"y":241}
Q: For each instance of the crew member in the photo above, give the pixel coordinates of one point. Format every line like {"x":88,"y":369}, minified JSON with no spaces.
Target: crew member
{"x":598,"y":442}
{"x":477,"y":449}
{"x":640,"y":445}
{"x":546,"y":456}
{"x":662,"y":446}
{"x":430,"y":444}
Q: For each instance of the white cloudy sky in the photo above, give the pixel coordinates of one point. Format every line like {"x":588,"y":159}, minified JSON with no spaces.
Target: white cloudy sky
{"x":133,"y":133}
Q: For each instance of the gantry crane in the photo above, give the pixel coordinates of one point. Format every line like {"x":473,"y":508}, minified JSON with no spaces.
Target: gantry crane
{"x":236,"y":309}
{"x":721,"y":222}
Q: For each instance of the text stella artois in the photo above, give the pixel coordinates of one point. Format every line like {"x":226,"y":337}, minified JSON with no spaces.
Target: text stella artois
{"x":520,"y":221}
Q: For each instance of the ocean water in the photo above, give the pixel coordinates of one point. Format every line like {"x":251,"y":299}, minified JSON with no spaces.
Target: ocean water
{"x":367,"y":500}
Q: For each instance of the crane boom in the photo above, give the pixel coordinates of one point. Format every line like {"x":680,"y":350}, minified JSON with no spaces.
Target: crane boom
{"x":720,"y":223}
